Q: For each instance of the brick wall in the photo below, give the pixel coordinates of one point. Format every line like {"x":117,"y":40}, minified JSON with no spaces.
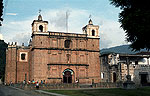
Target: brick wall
{"x":15,"y":68}
{"x":51,"y":58}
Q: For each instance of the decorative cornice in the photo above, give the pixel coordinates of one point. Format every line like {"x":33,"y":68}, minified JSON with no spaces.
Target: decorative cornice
{"x":70,"y":64}
{"x":61,"y":34}
{"x":66,"y":49}
{"x":54,"y":78}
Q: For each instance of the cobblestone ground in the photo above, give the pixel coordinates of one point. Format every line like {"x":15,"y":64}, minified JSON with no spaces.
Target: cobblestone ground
{"x":9,"y":91}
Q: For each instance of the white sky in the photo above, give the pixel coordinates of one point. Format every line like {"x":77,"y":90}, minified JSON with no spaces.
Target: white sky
{"x":19,"y":14}
{"x":1,"y":37}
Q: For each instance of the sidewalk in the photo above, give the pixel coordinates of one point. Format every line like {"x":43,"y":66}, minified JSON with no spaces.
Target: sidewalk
{"x":40,"y":91}
{"x":49,"y":93}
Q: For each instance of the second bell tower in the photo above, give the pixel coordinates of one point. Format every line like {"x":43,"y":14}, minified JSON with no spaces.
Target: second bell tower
{"x":39,"y":25}
{"x":91,"y":30}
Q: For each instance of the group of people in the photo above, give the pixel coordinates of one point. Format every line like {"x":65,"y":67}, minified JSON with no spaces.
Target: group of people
{"x":34,"y":82}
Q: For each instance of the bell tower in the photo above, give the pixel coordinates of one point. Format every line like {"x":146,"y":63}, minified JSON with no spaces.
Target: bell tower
{"x":91,"y":30}
{"x":39,"y":25}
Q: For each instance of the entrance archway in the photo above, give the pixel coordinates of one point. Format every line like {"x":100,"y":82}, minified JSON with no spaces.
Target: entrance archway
{"x":144,"y":79}
{"x":67,"y":76}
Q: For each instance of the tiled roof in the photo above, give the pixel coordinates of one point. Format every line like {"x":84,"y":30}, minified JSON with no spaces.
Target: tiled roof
{"x":143,"y":53}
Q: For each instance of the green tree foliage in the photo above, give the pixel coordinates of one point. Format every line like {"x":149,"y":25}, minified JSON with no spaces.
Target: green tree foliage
{"x":3,"y":47}
{"x":1,"y":11}
{"x":135,"y":21}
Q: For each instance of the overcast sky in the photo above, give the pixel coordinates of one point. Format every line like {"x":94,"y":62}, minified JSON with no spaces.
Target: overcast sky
{"x":19,"y":14}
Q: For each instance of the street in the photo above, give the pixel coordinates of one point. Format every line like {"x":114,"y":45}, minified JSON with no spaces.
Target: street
{"x":10,"y":91}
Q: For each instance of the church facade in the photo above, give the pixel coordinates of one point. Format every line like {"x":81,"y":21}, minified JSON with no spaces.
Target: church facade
{"x":55,"y":57}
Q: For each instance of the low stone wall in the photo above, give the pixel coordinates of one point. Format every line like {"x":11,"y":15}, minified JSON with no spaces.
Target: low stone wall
{"x":0,"y":81}
{"x":109,"y":85}
{"x":66,"y":86}
{"x":45,"y":86}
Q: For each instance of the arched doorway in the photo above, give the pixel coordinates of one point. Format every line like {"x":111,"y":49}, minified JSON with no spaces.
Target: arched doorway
{"x":144,"y":78}
{"x":67,"y":76}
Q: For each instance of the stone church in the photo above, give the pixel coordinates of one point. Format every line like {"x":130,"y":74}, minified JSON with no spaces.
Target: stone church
{"x":55,"y":57}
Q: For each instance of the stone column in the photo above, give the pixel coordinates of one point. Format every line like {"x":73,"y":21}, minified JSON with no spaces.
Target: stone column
{"x":128,"y":84}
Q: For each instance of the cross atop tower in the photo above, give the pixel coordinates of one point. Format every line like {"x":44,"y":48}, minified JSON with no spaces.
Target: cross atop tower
{"x":40,"y":11}
{"x":90,"y":16}
{"x":40,"y":17}
{"x":90,"y":21}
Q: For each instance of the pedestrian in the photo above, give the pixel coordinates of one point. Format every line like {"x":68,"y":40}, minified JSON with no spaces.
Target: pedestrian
{"x":24,"y":82}
{"x":10,"y":83}
{"x":41,"y":82}
{"x":44,"y":82}
{"x":29,"y":82}
{"x":76,"y":80}
{"x":37,"y":85}
{"x":33,"y":82}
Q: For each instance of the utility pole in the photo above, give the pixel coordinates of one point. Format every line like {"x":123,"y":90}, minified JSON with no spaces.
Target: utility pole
{"x":67,"y":15}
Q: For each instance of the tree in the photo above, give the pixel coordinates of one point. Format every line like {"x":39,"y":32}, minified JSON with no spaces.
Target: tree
{"x":3,"y":47}
{"x":1,"y":11}
{"x":135,"y":21}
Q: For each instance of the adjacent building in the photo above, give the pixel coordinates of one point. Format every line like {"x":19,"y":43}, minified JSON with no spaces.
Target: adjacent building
{"x":114,"y":67}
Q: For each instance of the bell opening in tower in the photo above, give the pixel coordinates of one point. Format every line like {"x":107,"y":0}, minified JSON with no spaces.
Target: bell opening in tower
{"x":93,"y":32}
{"x":41,"y":28}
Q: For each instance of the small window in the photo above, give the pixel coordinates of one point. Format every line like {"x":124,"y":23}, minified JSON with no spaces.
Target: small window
{"x":102,"y":75}
{"x":41,"y":28}
{"x":67,"y":43}
{"x":23,"y":55}
{"x":93,"y":32}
